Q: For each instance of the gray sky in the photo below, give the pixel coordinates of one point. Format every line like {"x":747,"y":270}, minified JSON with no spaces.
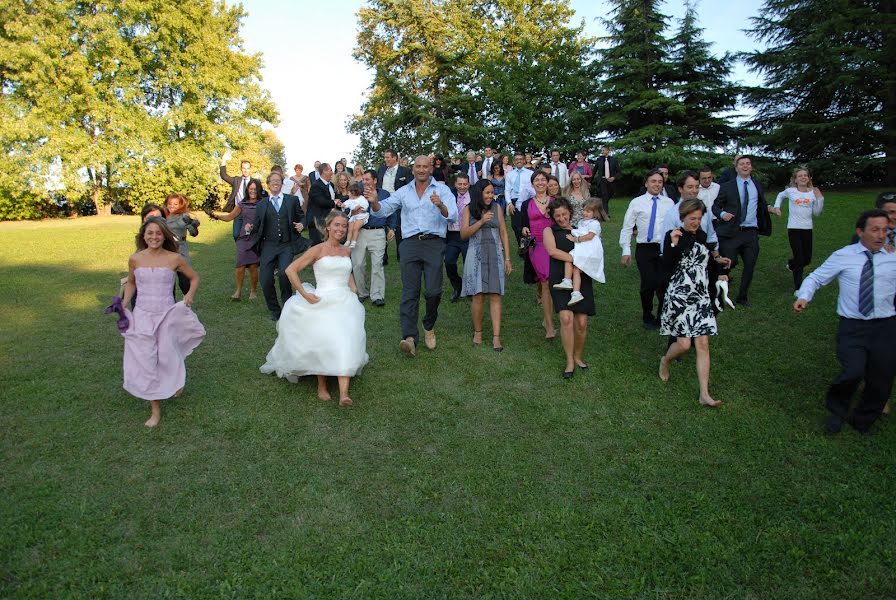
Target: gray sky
{"x":312,"y":42}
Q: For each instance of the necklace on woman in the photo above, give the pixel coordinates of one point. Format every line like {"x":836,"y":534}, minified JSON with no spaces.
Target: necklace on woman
{"x":540,"y":203}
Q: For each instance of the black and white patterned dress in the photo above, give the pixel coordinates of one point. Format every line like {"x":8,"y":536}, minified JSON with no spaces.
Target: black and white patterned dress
{"x":687,"y":309}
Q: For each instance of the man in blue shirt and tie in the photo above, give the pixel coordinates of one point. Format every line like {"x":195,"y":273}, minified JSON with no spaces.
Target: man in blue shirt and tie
{"x":866,"y":276}
{"x":742,"y":216}
{"x":426,"y":209}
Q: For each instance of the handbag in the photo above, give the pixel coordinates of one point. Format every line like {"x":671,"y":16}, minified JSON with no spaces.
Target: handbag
{"x":526,"y":242}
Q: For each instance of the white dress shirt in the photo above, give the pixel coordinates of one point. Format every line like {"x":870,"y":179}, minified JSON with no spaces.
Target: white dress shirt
{"x":673,"y":220}
{"x":638,"y":213}
{"x":487,"y":167}
{"x":845,"y":265}
{"x":561,"y":171}
{"x":389,"y":179}
{"x":708,"y":195}
{"x":516,"y":184}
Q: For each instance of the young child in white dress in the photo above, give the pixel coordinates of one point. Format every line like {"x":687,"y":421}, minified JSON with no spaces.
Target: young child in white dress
{"x":587,"y":256}
{"x":357,"y":206}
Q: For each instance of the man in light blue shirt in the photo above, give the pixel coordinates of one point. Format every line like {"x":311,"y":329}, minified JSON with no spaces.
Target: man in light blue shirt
{"x":427,"y":206}
{"x":517,"y":187}
{"x":866,"y":276}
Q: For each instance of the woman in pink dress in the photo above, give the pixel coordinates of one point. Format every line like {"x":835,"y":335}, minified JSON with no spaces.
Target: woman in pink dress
{"x":535,"y":219}
{"x":160,"y":333}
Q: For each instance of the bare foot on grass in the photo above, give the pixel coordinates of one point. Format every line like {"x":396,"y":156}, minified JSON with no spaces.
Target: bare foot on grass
{"x":664,"y":369}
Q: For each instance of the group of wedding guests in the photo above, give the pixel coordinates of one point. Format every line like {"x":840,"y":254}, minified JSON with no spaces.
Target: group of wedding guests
{"x":683,"y":255}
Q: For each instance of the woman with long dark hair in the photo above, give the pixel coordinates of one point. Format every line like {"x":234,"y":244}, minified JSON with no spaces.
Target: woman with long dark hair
{"x":160,"y":334}
{"x":488,"y":258}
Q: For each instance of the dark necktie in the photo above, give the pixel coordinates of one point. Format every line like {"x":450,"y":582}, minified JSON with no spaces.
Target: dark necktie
{"x":891,"y":237}
{"x":556,"y":171}
{"x":866,"y":287}
{"x":745,"y":203}
{"x":652,"y":220}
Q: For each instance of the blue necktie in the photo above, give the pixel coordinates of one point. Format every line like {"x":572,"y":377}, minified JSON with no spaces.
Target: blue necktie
{"x":745,"y":203}
{"x":652,"y":220}
{"x":866,"y":287}
{"x":516,"y":186}
{"x":276,"y":202}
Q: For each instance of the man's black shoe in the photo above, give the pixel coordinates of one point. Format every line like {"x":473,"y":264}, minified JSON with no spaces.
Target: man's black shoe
{"x":379,"y":302}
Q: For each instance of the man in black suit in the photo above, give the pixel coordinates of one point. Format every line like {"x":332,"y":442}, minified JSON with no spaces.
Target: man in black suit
{"x":669,"y":189}
{"x":742,"y":217}
{"x":237,"y":184}
{"x":472,"y":168}
{"x":278,"y":221}
{"x":314,"y":175}
{"x":391,"y":176}
{"x":321,"y":200}
{"x":607,"y":170}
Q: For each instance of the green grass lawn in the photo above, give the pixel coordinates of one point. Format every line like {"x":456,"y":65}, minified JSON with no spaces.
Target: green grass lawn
{"x":461,"y":473}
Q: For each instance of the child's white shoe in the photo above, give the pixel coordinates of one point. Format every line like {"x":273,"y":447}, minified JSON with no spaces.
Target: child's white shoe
{"x":566,"y":284}
{"x":575,"y":297}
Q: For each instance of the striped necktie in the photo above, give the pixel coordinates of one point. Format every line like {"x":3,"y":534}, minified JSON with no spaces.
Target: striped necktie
{"x":866,"y":287}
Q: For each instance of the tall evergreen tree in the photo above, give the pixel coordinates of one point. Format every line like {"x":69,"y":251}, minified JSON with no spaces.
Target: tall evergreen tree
{"x":636,"y":108}
{"x":702,"y":85}
{"x":137,"y":94}
{"x":829,"y":92}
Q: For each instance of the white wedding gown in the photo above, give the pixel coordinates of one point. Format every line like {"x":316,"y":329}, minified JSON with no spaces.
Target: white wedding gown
{"x":325,"y":338}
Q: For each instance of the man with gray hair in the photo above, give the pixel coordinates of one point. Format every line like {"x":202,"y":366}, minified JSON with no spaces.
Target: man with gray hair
{"x":472,"y":168}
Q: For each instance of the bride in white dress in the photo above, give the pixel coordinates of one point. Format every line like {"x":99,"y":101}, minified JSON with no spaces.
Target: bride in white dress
{"x":321,"y":330}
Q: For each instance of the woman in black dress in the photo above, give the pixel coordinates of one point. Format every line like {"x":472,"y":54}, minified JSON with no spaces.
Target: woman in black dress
{"x":558,"y":241}
{"x":687,"y":310}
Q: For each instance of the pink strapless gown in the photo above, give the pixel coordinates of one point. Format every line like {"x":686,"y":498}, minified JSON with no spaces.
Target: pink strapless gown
{"x":538,"y":254}
{"x":160,"y":336}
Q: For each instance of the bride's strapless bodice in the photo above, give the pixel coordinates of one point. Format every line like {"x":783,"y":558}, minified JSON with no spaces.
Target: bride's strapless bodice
{"x":331,"y":272}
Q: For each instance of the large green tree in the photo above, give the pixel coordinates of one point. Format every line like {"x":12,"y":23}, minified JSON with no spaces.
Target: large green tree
{"x":701,"y":82}
{"x":124,"y":100}
{"x":456,"y":74}
{"x":828,"y":96}
{"x":661,"y":100}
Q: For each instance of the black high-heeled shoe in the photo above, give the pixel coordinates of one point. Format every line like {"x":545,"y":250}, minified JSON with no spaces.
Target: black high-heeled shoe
{"x":568,"y":374}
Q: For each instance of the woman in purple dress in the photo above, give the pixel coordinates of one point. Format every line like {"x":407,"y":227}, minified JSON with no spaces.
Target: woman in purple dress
{"x":160,"y":334}
{"x":535,"y":220}
{"x":246,"y":257}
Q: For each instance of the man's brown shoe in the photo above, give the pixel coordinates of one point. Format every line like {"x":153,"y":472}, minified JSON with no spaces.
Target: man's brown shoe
{"x":429,"y":338}
{"x":408,"y":347}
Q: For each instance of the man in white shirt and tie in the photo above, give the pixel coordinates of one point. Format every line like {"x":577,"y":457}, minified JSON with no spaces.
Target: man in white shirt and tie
{"x":866,"y":277}
{"x":559,"y":170}
{"x":487,"y":163}
{"x":647,"y":213}
{"x":517,"y":186}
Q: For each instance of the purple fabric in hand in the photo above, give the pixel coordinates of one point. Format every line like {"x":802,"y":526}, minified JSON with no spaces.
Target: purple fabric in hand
{"x":116,"y":307}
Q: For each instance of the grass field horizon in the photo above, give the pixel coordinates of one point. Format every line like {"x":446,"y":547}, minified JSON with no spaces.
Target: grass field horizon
{"x":460,"y":473}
